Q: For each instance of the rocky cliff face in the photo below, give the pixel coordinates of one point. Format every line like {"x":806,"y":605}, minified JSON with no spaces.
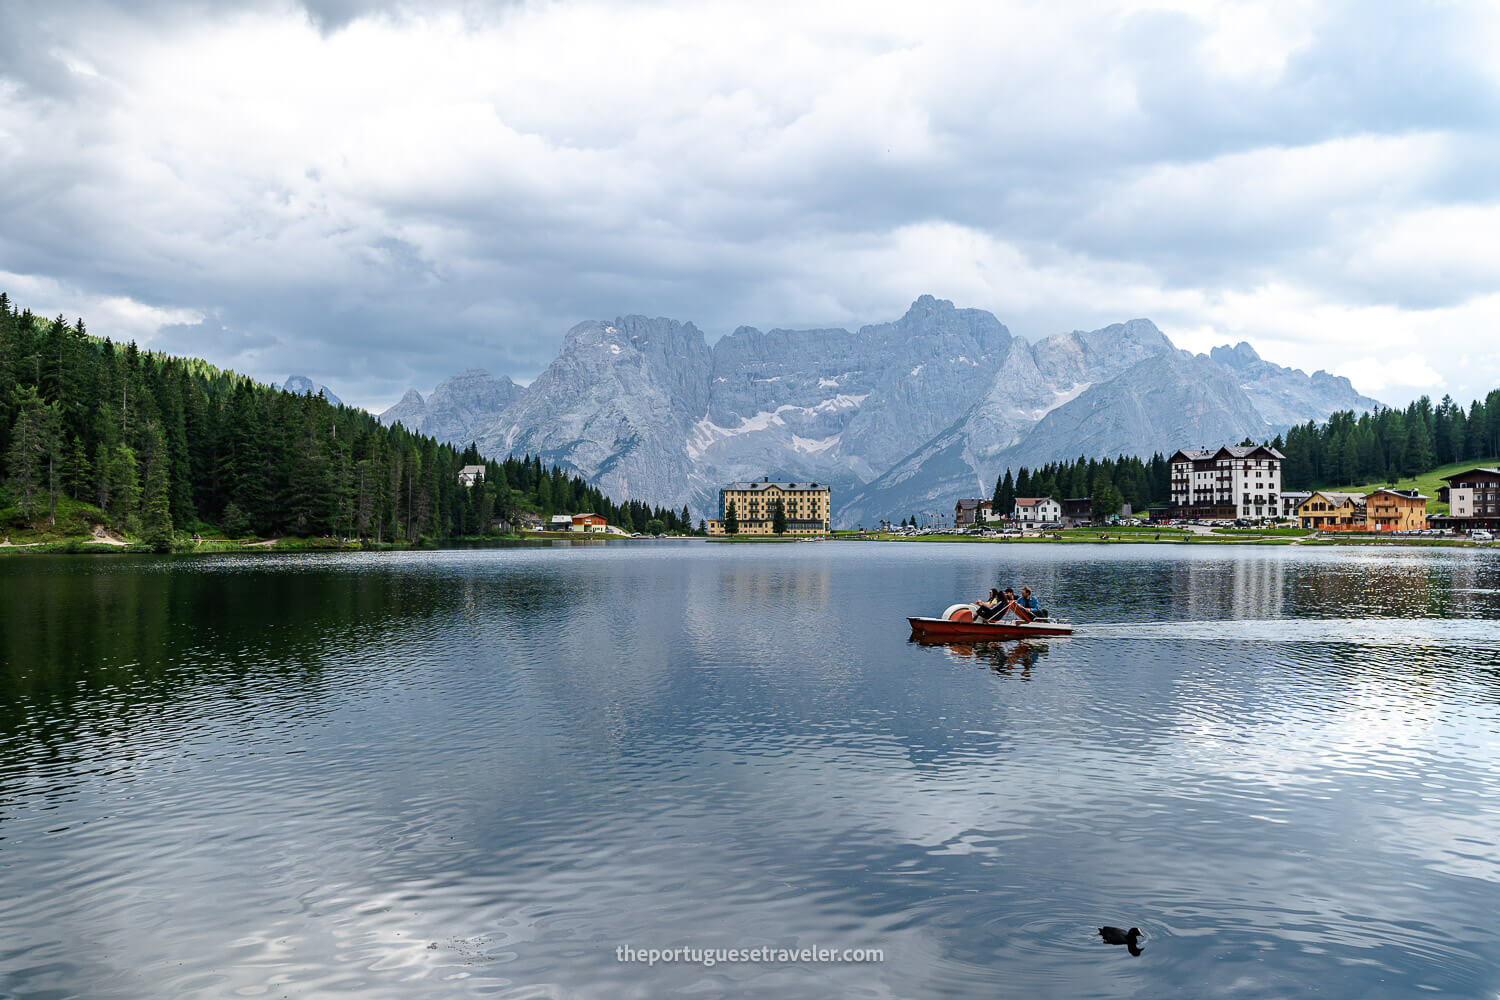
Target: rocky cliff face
{"x":1034,"y":382}
{"x":618,"y":405}
{"x":899,"y":417}
{"x":1286,"y":396}
{"x":839,"y":406}
{"x":461,"y":407}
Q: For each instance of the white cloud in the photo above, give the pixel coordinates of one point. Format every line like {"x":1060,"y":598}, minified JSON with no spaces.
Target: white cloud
{"x":1378,"y":375}
{"x":118,"y":317}
{"x":390,"y":197}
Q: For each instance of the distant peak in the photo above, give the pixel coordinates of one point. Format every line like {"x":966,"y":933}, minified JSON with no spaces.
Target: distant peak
{"x":1241,"y":355}
{"x":412,"y":396}
{"x":301,"y":385}
{"x":1145,"y":333}
{"x":928,"y":304}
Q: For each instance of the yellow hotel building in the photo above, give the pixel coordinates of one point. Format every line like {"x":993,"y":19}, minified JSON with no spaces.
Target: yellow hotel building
{"x":807,"y":507}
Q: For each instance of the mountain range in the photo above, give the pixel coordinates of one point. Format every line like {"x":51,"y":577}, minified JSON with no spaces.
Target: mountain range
{"x":897,"y":417}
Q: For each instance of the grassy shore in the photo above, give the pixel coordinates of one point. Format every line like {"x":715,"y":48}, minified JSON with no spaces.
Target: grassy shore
{"x":1427,"y":483}
{"x":81,"y":528}
{"x":1167,"y":536}
{"x":1072,"y":538}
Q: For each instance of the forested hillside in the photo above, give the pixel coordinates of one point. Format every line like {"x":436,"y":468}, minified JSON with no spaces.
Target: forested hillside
{"x":162,"y":445}
{"x":1389,"y":444}
{"x":1377,"y":447}
{"x":1108,"y":482}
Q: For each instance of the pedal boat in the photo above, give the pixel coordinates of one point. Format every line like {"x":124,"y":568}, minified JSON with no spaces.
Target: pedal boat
{"x":959,"y":624}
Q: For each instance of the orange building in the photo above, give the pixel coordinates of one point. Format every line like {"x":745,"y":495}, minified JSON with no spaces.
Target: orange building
{"x":1396,"y":510}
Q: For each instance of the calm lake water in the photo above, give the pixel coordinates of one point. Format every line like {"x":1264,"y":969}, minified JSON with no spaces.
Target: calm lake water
{"x":292,"y":776}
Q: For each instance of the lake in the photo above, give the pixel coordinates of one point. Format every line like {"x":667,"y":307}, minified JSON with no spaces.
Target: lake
{"x":483,"y":772}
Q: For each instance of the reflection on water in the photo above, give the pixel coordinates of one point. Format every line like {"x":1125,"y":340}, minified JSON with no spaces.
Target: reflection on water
{"x":1002,"y":657}
{"x":478,"y":772}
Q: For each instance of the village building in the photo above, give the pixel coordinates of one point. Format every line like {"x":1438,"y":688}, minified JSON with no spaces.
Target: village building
{"x":1077,"y":512}
{"x":561,"y":522}
{"x":470,"y":474}
{"x":1396,"y":510}
{"x":1227,"y":483}
{"x":1291,"y":501}
{"x":1473,"y":501}
{"x":970,"y":512}
{"x":1038,"y":512}
{"x":807,"y":507}
{"x":1325,"y":510}
{"x":589,"y":522}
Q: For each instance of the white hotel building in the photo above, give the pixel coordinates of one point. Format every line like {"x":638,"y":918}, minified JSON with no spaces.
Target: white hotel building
{"x":1227,"y":483}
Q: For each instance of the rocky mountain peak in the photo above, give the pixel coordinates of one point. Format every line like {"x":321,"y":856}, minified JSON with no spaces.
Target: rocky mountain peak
{"x":301,"y":385}
{"x":1238,"y":357}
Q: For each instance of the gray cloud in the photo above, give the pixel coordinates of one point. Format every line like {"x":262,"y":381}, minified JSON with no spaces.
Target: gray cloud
{"x":378,"y":194}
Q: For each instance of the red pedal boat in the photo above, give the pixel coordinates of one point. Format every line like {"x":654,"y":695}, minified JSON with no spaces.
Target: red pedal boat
{"x":959,"y":624}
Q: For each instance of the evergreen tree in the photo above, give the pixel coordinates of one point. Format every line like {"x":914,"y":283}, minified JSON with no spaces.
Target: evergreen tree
{"x":1004,"y":499}
{"x":78,"y":471}
{"x":156,"y":509}
{"x":731,"y":520}
{"x":125,"y":490}
{"x":778,"y":518}
{"x":1104,"y":499}
{"x":33,"y":455}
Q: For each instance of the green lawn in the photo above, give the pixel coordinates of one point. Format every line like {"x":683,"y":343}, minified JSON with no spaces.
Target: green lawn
{"x":1264,"y":532}
{"x":1426,"y":483}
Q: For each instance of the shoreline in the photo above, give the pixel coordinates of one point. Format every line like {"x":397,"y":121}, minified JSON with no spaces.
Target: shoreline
{"x":92,"y":545}
{"x":1175,"y":537}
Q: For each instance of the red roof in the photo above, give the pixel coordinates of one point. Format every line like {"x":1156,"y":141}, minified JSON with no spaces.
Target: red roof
{"x":1030,"y":501}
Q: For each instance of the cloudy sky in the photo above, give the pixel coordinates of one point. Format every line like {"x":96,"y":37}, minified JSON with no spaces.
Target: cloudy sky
{"x":378,"y":195}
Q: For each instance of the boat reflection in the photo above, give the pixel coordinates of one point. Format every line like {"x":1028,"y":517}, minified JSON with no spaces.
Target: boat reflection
{"x":1000,"y":657}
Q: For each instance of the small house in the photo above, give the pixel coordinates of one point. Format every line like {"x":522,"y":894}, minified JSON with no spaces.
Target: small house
{"x":1396,"y":510}
{"x":1077,"y":512}
{"x":969,"y":512}
{"x":470,"y":474}
{"x":1038,"y":512}
{"x":1291,"y":500}
{"x":1325,"y":510}
{"x":1474,"y":500}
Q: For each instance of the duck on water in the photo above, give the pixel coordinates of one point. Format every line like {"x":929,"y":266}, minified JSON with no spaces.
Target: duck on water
{"x":1130,"y":938}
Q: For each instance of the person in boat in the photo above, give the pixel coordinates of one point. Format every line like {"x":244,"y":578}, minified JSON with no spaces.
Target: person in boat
{"x":1025,"y":607}
{"x":1004,"y":601}
{"x":992,"y":607}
